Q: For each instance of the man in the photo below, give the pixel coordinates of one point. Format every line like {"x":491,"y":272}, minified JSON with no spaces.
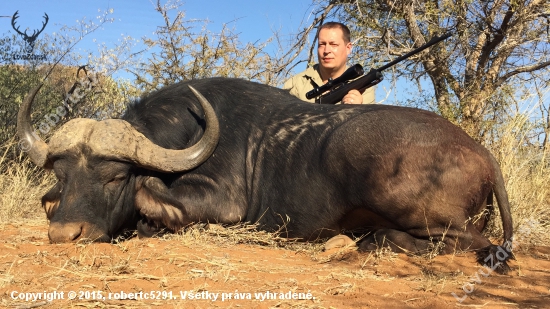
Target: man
{"x":334,"y":47}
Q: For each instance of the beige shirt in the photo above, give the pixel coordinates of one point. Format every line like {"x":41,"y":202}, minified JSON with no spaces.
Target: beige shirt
{"x":300,"y":84}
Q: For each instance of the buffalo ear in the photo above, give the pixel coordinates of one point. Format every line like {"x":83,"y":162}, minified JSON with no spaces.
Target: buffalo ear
{"x":154,"y":202}
{"x":50,"y":200}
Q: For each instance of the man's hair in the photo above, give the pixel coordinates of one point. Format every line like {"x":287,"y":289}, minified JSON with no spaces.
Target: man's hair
{"x":336,"y":25}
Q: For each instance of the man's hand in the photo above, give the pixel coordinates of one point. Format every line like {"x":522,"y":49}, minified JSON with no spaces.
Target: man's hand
{"x":353,"y":97}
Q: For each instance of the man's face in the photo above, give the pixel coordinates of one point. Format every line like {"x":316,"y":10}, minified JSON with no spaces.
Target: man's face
{"x":332,"y":50}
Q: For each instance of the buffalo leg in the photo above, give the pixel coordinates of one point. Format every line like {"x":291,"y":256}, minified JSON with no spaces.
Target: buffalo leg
{"x":397,"y":241}
{"x":471,"y":239}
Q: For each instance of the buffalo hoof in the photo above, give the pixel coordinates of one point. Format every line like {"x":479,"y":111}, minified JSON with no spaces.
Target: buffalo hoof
{"x":338,"y":248}
{"x":146,"y":229}
{"x":495,"y":257}
{"x":215,"y":227}
{"x":339,"y":241}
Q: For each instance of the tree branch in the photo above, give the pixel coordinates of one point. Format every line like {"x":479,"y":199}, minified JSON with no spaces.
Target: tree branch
{"x":519,"y":70}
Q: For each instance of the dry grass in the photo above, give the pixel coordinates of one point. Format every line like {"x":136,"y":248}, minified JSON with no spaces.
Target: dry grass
{"x":526,"y":170}
{"x":21,"y":187}
{"x":199,"y":259}
{"x":238,"y":258}
{"x":235,"y":234}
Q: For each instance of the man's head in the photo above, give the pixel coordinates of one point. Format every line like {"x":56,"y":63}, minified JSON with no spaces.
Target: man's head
{"x":333,"y":49}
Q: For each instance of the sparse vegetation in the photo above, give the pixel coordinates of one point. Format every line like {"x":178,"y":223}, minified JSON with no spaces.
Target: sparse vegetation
{"x":21,"y":187}
{"x":526,"y":169}
{"x":225,"y":259}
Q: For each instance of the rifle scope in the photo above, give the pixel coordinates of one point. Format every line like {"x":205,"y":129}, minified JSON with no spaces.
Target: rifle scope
{"x":351,"y":73}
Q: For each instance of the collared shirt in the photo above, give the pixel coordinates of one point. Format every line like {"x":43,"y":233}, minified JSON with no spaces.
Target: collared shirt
{"x":303,"y":82}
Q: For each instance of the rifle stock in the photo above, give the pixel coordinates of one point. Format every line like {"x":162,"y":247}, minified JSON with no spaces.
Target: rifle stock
{"x":366,"y":81}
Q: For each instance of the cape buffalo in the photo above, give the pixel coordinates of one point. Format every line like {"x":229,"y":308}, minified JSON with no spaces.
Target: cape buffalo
{"x":247,"y":152}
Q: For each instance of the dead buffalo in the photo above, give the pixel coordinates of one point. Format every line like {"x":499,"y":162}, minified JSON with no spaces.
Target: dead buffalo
{"x":247,"y":152}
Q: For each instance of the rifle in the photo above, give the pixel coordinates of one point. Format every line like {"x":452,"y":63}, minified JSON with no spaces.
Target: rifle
{"x":335,"y":89}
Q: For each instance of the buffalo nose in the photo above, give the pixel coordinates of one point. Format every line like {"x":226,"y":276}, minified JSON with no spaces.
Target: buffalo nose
{"x":64,"y":232}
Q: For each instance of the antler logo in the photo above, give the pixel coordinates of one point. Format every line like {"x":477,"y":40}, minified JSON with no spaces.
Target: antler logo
{"x":29,"y":39}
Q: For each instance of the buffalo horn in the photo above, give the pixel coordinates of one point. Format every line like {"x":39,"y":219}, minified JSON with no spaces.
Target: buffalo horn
{"x":117,"y":138}
{"x":29,"y":141}
{"x":131,"y":145}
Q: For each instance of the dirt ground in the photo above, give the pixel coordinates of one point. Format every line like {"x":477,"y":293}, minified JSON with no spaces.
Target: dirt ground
{"x":180,"y":271}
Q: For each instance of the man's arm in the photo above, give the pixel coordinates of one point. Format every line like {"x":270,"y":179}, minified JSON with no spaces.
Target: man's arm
{"x":289,"y":85}
{"x":298,"y":86}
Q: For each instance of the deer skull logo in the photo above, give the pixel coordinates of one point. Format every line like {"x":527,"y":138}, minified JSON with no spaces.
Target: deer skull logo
{"x":28,"y":38}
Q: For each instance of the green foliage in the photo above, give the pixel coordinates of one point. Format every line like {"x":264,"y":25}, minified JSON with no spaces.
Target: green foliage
{"x":68,"y":90}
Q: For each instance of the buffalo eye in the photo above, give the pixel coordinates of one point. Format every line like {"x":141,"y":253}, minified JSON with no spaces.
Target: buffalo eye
{"x":51,"y":200}
{"x":117,"y":179}
{"x":60,"y":176}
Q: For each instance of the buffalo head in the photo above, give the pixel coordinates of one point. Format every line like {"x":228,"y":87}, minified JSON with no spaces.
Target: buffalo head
{"x":98,"y":193}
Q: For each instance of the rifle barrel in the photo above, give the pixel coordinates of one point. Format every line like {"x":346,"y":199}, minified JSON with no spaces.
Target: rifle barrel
{"x":433,"y":41}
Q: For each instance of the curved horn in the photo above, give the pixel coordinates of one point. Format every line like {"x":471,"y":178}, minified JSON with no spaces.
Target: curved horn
{"x":29,"y":141}
{"x":169,"y":160}
{"x":117,"y":138}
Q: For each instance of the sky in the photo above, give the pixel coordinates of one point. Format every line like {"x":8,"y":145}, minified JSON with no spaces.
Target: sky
{"x":253,"y":20}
